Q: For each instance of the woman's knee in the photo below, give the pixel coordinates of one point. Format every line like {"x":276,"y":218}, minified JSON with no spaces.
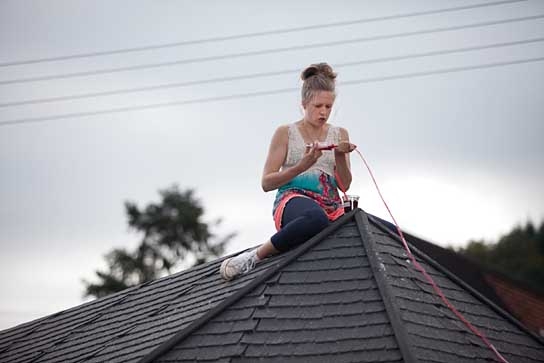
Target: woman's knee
{"x":317,"y":218}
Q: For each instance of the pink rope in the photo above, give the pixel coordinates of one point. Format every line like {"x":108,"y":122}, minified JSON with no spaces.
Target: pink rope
{"x":429,"y":278}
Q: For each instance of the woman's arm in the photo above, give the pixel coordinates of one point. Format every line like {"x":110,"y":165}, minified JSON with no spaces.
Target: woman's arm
{"x":341,"y":156}
{"x":272,"y":177}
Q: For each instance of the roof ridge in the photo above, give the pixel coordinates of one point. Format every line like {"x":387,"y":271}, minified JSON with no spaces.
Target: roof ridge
{"x":108,"y":300}
{"x":136,"y":324}
{"x":413,"y":235}
{"x":48,"y":318}
{"x":500,"y":274}
{"x":499,"y":310}
{"x":31,"y":325}
{"x":71,"y":309}
{"x":105,"y":310}
{"x":391,"y":308}
{"x":182,"y":334}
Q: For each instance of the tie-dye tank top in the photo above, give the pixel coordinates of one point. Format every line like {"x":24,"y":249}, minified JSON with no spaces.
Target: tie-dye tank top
{"x":317,"y":183}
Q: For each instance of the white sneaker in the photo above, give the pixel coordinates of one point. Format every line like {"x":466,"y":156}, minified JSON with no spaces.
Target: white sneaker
{"x":237,"y":265}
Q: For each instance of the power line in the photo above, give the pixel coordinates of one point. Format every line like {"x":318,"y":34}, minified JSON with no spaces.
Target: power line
{"x":266,"y":74}
{"x":443,"y":71}
{"x":269,"y":51}
{"x":256,"y":34}
{"x":260,"y":93}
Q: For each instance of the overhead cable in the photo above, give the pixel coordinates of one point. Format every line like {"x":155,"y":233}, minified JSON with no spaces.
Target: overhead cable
{"x":259,"y":93}
{"x":265,"y":74}
{"x":268,"y":51}
{"x":255,"y":34}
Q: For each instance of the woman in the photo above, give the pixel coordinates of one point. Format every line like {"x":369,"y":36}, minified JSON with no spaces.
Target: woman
{"x":306,"y":176}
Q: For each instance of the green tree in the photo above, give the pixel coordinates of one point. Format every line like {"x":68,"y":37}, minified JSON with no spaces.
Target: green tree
{"x":478,"y":250}
{"x":518,"y":254}
{"x":173,"y":234}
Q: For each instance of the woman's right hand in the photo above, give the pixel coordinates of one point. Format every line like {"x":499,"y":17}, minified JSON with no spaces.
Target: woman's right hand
{"x":310,"y":156}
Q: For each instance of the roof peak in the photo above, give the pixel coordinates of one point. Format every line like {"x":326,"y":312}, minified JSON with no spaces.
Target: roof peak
{"x":167,"y":345}
{"x":349,"y":292}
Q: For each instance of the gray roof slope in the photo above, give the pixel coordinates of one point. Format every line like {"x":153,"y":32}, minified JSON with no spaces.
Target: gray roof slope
{"x":324,"y":306}
{"x":351,"y":295}
{"x":348,"y":294}
{"x":434,"y":333}
{"x":466,"y":269}
{"x":125,"y":326}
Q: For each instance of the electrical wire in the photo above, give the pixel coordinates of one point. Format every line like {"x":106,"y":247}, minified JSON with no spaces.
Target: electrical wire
{"x":264,"y":74}
{"x":256,"y":34}
{"x":260,"y":93}
{"x":268,"y":51}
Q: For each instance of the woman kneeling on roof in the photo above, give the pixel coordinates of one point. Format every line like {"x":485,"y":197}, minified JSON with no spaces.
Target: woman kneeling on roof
{"x":307,"y":161}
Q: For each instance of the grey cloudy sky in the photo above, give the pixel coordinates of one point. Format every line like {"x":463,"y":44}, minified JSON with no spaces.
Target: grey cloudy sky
{"x":454,"y":137}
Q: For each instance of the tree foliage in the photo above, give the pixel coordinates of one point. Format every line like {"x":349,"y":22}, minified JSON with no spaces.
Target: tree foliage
{"x":173,"y":232}
{"x":519,"y":254}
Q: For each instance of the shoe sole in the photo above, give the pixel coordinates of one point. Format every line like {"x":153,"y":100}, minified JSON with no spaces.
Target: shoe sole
{"x":223,"y":270}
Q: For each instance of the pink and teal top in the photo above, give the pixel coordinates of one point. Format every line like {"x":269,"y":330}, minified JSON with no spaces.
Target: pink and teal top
{"x":318,"y":182}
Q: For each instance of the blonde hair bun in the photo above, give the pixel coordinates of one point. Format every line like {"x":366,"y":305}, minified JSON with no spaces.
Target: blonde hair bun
{"x":317,"y":77}
{"x":318,"y":69}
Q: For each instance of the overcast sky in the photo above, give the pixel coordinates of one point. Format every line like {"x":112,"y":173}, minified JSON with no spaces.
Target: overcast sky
{"x":446,"y":105}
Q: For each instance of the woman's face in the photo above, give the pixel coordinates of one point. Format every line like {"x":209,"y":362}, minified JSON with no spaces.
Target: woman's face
{"x":318,"y":108}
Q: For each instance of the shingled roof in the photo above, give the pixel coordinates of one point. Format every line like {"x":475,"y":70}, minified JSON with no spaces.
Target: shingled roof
{"x":521,"y":300}
{"x":350,"y":294}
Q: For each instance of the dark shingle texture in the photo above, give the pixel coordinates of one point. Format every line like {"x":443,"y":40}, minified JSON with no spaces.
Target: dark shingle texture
{"x":123,"y":327}
{"x":355,"y":297}
{"x":325,"y":306}
{"x":350,"y":294}
{"x":434,"y":332}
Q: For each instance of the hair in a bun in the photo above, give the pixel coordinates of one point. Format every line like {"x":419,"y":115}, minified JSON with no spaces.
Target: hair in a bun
{"x":319,"y":68}
{"x":317,"y":77}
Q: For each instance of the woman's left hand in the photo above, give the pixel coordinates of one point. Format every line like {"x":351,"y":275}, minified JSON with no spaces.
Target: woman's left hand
{"x":345,"y":147}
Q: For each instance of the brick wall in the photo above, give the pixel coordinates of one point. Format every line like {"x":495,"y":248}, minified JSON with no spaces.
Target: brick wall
{"x":526,"y":306}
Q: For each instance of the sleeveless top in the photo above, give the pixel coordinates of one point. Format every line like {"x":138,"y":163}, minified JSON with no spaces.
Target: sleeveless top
{"x":317,"y":183}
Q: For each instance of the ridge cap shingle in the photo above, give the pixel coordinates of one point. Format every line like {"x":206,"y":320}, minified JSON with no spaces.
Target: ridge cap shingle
{"x":184,"y":333}
{"x":391,"y":307}
{"x":472,"y":291}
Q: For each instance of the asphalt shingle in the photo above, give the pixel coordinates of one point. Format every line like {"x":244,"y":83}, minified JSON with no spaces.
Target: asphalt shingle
{"x":435,"y":332}
{"x":323,"y":304}
{"x":350,"y":294}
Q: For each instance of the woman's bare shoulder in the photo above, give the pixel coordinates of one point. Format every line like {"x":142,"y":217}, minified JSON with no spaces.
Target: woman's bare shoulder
{"x":283,"y":128}
{"x":283,"y":131}
{"x":339,"y":128}
{"x":342,"y":130}
{"x":286,"y":127}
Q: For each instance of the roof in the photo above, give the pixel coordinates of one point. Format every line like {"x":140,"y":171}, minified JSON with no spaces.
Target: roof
{"x":348,"y":294}
{"x":470,"y":270}
{"x":466,"y":269}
